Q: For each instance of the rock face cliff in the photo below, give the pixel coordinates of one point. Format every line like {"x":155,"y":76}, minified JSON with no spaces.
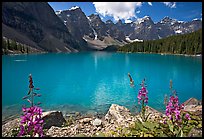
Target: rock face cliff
{"x":37,"y":25}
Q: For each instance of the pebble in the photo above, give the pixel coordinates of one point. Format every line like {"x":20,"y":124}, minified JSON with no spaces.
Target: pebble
{"x":88,"y":126}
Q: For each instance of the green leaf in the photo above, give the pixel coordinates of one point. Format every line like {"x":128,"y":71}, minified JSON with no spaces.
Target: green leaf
{"x":199,"y":126}
{"x":171,"y":127}
{"x":139,"y":125}
{"x":181,"y":133}
{"x":146,"y":135}
{"x":149,"y":125}
{"x":100,"y":134}
{"x":80,"y":135}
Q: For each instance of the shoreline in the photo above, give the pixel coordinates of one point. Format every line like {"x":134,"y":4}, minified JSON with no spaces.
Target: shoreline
{"x":187,"y":55}
{"x":74,"y":114}
{"x":108,"y":125}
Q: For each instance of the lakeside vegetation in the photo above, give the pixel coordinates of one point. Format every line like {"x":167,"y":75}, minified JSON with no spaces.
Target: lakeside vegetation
{"x":190,"y":44}
{"x":11,"y":45}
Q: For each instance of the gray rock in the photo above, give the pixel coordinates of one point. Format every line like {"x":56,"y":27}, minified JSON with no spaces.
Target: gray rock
{"x":53,"y":118}
{"x":85,"y":120}
{"x":119,"y":113}
{"x":97,"y":122}
{"x":191,"y":101}
{"x":9,"y":126}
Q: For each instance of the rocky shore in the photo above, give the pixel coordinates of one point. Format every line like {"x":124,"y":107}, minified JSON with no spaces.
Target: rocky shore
{"x":110,"y":125}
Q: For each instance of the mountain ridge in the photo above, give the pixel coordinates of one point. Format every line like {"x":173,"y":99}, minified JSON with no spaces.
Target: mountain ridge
{"x":39,"y":26}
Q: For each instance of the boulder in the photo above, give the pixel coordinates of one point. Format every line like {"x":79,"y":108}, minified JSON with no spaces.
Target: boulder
{"x":118,"y":113}
{"x":97,"y":122}
{"x":192,"y":101}
{"x":52,"y":118}
{"x":153,"y":113}
{"x":194,"y":106}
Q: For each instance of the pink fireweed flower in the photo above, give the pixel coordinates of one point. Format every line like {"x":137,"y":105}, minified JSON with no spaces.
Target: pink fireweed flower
{"x":142,"y":94}
{"x":173,"y":110}
{"x":187,"y":116}
{"x":31,"y":120}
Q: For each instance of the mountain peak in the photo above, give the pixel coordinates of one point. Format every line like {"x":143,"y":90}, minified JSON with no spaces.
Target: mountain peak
{"x":145,"y":18}
{"x":94,"y":16}
{"x":109,"y":22}
{"x":168,"y":20}
{"x":119,"y":22}
{"x":74,"y":8}
{"x":58,"y":12}
{"x":196,"y":19}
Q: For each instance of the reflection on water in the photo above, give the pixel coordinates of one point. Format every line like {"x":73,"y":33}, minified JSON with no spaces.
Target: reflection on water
{"x":91,"y":82}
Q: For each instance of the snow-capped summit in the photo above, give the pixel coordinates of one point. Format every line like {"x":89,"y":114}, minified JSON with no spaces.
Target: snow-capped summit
{"x":73,"y":8}
{"x":141,"y":20}
{"x":180,"y":21}
{"x":58,"y":12}
{"x":168,"y":20}
{"x":195,"y":19}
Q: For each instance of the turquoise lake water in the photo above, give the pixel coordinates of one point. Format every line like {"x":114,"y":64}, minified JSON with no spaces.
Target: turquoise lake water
{"x":92,"y":81}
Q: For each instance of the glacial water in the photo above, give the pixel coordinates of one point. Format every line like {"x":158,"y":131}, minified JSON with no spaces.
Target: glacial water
{"x":90,"y":82}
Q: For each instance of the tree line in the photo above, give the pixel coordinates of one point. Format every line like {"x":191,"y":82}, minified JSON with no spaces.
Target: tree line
{"x":190,"y":44}
{"x":12,"y":45}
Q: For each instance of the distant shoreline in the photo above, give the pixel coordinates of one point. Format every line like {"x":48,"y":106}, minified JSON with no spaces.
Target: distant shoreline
{"x":197,"y":55}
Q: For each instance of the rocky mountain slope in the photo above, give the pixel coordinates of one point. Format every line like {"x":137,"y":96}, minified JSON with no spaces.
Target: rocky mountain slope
{"x":93,"y":30}
{"x":39,"y":26}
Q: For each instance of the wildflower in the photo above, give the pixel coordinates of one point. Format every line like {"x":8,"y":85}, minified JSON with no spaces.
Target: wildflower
{"x":31,"y":122}
{"x":143,"y":98}
{"x":142,"y":95}
{"x":187,"y":116}
{"x":174,"y":109}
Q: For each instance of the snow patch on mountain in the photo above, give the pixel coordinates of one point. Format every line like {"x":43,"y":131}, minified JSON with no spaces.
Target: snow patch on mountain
{"x":180,"y":21}
{"x":73,"y":8}
{"x":58,"y":12}
{"x":178,"y":31}
{"x":141,"y":20}
{"x":135,"y":40}
{"x":65,"y":22}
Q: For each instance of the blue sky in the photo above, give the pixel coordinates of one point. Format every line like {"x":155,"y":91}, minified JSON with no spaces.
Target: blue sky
{"x":129,"y":11}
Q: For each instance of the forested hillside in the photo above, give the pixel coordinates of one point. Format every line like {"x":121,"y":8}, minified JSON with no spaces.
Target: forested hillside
{"x":178,"y":44}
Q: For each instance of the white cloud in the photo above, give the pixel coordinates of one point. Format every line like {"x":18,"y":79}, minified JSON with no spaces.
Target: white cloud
{"x":149,"y":3}
{"x":170,"y":4}
{"x":118,"y":10}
